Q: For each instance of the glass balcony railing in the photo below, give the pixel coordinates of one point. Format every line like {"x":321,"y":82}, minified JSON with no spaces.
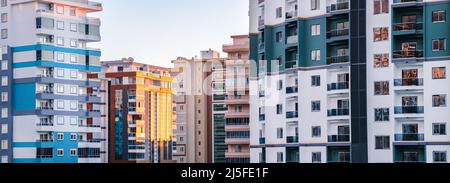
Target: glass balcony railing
{"x":410,"y":137}
{"x":408,"y":26}
{"x":338,"y":59}
{"x":407,"y":1}
{"x":292,"y":89}
{"x":291,"y":64}
{"x":292,"y":139}
{"x":338,"y":86}
{"x":262,"y":140}
{"x":407,"y":54}
{"x":338,"y":32}
{"x":262,"y":117}
{"x":292,"y":114}
{"x":409,"y":82}
{"x":339,"y":138}
{"x":345,"y":5}
{"x":338,"y":112}
{"x":409,"y":110}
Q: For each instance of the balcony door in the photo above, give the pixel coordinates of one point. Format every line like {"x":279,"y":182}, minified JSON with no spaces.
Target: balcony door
{"x":410,"y":132}
{"x":409,"y":49}
{"x":343,"y":78}
{"x":410,"y":77}
{"x":409,"y":19}
{"x":410,"y":157}
{"x":409,"y":101}
{"x":343,"y":104}
{"x":343,"y":130}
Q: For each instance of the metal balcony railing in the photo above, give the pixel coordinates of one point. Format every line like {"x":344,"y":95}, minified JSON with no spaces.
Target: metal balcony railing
{"x":408,"y":53}
{"x":408,"y":26}
{"x":292,"y":114}
{"x":338,"y":59}
{"x":338,"y":112}
{"x":338,"y":32}
{"x":339,"y":138}
{"x":292,"y":139}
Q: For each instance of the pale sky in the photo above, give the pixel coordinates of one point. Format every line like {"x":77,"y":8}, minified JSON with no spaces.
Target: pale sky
{"x":158,"y":31}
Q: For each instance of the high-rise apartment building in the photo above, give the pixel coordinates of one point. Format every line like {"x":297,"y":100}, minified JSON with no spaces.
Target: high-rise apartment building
{"x":140,"y":112}
{"x":237,"y":129}
{"x":50,"y":108}
{"x":349,"y":81}
{"x":196,"y":106}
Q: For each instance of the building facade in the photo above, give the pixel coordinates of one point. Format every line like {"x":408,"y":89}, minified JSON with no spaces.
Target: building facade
{"x":237,"y":116}
{"x":140,"y":112}
{"x":196,"y":135}
{"x":51,"y":109}
{"x":349,"y":81}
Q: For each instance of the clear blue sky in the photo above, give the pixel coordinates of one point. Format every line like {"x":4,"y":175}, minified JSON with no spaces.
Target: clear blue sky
{"x":158,"y":31}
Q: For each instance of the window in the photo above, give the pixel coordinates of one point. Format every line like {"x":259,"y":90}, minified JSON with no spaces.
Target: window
{"x":315,"y":81}
{"x":315,"y":106}
{"x":316,"y":131}
{"x":60,"y":89}
{"x":4,"y":17}
{"x":280,"y":157}
{"x":4,"y":144}
{"x":4,"y":96}
{"x":60,"y":57}
{"x":73,"y":59}
{"x":280,"y":133}
{"x":73,"y":74}
{"x":279,"y":108}
{"x":380,"y":6}
{"x":382,"y":114}
{"x":60,"y":120}
{"x":4,"y":159}
{"x":439,"y":44}
{"x":4,"y":65}
{"x":60,"y":25}
{"x":315,"y":55}
{"x":60,"y":104}
{"x":73,"y":120}
{"x":439,"y":129}
{"x":316,"y":157}
{"x":279,"y":12}
{"x":315,"y":4}
{"x":382,"y":142}
{"x":4,"y":3}
{"x":439,"y":100}
{"x":4,"y":128}
{"x":73,"y":12}
{"x":60,"y":41}
{"x":439,"y":73}
{"x":73,"y":136}
{"x":380,"y":34}
{"x":279,"y":85}
{"x":4,"y":80}
{"x":73,"y":43}
{"x":73,"y":152}
{"x":73,"y":27}
{"x":279,"y":36}
{"x":73,"y":90}
{"x":4,"y":33}
{"x":60,"y":9}
{"x":73,"y":105}
{"x":439,"y":156}
{"x":439,"y":16}
{"x":60,"y":136}
{"x":315,"y":30}
{"x":60,"y":73}
{"x":382,"y":88}
{"x":4,"y":112}
{"x":60,"y":152}
{"x":381,"y":60}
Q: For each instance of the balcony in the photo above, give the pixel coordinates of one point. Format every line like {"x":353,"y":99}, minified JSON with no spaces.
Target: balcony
{"x":291,"y":14}
{"x":407,"y":28}
{"x":339,"y":138}
{"x":292,"y":89}
{"x":292,"y":40}
{"x":405,"y":54}
{"x":235,"y":47}
{"x":409,"y":110}
{"x":405,"y":3}
{"x":410,"y":137}
{"x":262,"y":140}
{"x":260,"y":22}
{"x":338,"y":59}
{"x":338,"y":7}
{"x":409,"y":154}
{"x":230,"y":100}
{"x":409,"y":82}
{"x":338,"y":112}
{"x":292,"y":155}
{"x":292,"y":114}
{"x":261,"y":47}
{"x":262,"y":117}
{"x":291,"y":64}
{"x":338,"y":86}
{"x":338,"y":35}
{"x":292,"y":139}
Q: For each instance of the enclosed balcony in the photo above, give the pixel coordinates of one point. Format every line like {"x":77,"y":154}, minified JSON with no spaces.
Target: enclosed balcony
{"x":409,"y":109}
{"x":292,"y":114}
{"x":409,"y":154}
{"x":338,"y":52}
{"x":292,"y":132}
{"x":291,"y":9}
{"x":338,"y":28}
{"x":338,"y":154}
{"x":406,"y":3}
{"x":291,"y":58}
{"x":292,"y":155}
{"x":407,"y":33}
{"x":291,"y":89}
{"x":338,"y":6}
